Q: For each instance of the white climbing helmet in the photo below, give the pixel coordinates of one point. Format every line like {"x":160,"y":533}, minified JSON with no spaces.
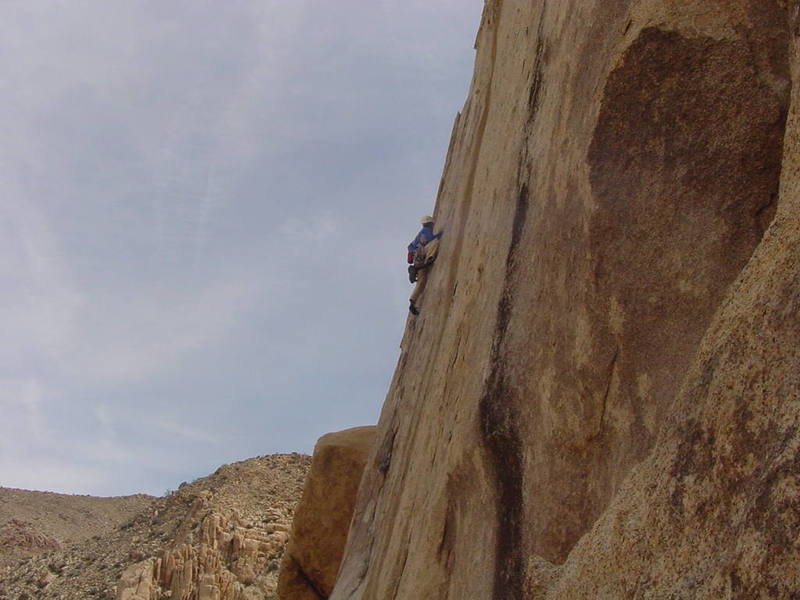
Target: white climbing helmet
{"x":426,"y":219}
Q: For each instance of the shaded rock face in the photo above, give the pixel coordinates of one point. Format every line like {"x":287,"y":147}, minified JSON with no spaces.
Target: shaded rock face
{"x":319,"y":530}
{"x":603,"y":390}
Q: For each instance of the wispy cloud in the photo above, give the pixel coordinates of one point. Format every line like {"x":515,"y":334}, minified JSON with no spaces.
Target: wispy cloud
{"x":128,"y":338}
{"x":21,"y":406}
{"x":184,"y":432}
{"x":311,"y":228}
{"x":41,"y":302}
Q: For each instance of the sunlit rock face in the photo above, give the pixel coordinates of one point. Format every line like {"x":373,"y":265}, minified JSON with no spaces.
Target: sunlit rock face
{"x":221,"y":537}
{"x":319,"y":529}
{"x":601,"y":396}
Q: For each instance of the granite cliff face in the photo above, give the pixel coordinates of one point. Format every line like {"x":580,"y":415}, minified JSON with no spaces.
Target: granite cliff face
{"x":600,"y":399}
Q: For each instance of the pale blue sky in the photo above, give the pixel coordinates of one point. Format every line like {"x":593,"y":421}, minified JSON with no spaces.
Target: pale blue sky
{"x":204,"y":208}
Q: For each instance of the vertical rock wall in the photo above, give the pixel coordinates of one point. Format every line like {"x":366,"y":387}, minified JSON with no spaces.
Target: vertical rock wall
{"x":615,"y":166}
{"x":714,"y":511}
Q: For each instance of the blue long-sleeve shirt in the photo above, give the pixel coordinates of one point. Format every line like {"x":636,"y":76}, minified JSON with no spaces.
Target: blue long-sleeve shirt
{"x":423,"y":237}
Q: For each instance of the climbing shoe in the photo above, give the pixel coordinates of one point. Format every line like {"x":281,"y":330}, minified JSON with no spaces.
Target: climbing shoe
{"x":413,"y":308}
{"x":412,"y":273}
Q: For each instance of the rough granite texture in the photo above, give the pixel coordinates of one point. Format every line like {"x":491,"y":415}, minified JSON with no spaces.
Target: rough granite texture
{"x":322,"y":518}
{"x":602,"y":397}
{"x":230,"y":541}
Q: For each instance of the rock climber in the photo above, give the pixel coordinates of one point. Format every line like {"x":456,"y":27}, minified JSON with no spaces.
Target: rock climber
{"x":421,"y":255}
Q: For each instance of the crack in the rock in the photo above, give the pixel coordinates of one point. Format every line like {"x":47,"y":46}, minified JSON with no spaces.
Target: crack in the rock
{"x":306,"y":578}
{"x":611,"y":369}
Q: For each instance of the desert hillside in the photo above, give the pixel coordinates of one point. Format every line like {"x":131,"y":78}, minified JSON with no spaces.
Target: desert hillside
{"x":600,"y":397}
{"x":35,"y":522}
{"x":253,"y":500}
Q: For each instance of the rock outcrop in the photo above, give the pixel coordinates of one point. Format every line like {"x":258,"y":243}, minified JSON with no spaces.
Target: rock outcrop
{"x":219,"y":556}
{"x":601,"y":397}
{"x":23,"y":537}
{"x":220,"y":537}
{"x":230,"y":542}
{"x":322,"y":519}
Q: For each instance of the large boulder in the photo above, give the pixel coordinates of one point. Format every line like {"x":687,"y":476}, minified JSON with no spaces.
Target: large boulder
{"x":322,"y":519}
